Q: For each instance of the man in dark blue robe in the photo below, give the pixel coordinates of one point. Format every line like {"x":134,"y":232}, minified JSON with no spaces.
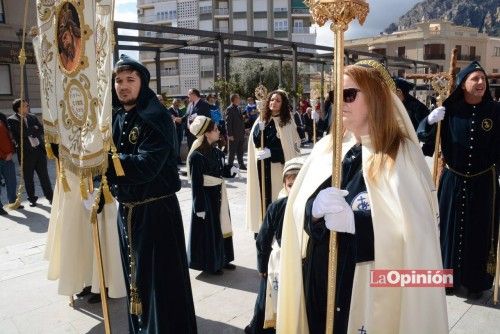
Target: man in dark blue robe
{"x":149,"y":219}
{"x":468,"y":191}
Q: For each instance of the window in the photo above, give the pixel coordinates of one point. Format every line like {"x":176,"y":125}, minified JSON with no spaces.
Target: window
{"x":496,"y":52}
{"x":5,"y":82}
{"x":401,"y":51}
{"x":281,"y":25}
{"x":2,"y":13}
{"x":434,"y":51}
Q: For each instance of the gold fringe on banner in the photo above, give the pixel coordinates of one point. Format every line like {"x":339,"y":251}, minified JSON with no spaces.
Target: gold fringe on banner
{"x":50,"y":153}
{"x":108,"y":198}
{"x":83,"y":189}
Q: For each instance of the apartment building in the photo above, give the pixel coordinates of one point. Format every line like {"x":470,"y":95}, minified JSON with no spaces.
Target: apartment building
{"x":280,"y":19}
{"x":433,"y":41}
{"x":11,"y":24}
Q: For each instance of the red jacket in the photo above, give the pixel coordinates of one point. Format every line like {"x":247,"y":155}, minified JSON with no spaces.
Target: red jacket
{"x":6,"y":146}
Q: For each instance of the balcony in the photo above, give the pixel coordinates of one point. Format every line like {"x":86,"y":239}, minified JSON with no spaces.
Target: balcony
{"x":221,"y":29}
{"x":221,"y":12}
{"x":468,"y":57}
{"x":169,"y":72}
{"x":157,"y":18}
{"x":300,"y":12}
{"x":434,"y":56}
{"x":301,"y":30}
{"x":205,"y":10}
{"x":147,"y":2}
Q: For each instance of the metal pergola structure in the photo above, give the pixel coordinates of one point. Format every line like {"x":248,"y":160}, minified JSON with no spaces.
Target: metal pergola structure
{"x":224,"y":46}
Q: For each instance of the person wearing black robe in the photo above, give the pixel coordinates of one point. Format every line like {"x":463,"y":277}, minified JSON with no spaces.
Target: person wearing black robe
{"x":470,"y":143}
{"x":149,"y":218}
{"x":210,"y":248}
{"x":270,"y":230}
{"x":352,"y":248}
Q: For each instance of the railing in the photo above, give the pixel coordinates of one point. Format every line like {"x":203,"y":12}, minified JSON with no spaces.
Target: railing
{"x":434,"y":56}
{"x":301,"y":30}
{"x":468,"y":57}
{"x":222,"y":29}
{"x":280,"y":10}
{"x":144,"y":2}
{"x":206,"y":10}
{"x":221,"y":11}
{"x":170,"y":72}
{"x":300,"y":11}
{"x":157,"y":18}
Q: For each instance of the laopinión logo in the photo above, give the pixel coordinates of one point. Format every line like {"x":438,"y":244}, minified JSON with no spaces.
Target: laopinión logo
{"x":422,"y":278}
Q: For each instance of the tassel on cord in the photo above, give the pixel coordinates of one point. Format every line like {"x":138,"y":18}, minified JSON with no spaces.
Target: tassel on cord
{"x":491,"y":264}
{"x":135,"y":301}
{"x":83,"y":189}
{"x":108,"y":198}
{"x":116,"y":161}
{"x":50,"y":153}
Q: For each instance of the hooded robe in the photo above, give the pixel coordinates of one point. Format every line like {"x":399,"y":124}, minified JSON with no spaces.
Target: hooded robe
{"x":468,"y":189}
{"x":149,"y":216}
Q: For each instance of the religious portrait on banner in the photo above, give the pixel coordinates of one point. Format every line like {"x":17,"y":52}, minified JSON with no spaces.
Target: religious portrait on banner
{"x":69,"y":37}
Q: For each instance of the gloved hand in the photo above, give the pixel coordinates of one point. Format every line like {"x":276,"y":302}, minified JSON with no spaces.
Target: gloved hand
{"x":262,"y":125}
{"x":201,"y":214}
{"x":235,"y":172}
{"x":342,"y":221}
{"x":263,"y":154}
{"x":436,"y":115}
{"x":330,"y":200}
{"x":315,"y":115}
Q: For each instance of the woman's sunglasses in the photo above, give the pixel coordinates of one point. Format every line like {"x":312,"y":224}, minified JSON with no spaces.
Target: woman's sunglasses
{"x":350,"y":94}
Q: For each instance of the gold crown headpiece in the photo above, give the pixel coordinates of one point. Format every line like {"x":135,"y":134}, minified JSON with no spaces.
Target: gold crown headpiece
{"x":381,"y":69}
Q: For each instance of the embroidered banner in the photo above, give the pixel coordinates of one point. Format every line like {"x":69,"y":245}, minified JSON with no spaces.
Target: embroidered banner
{"x":73,"y":51}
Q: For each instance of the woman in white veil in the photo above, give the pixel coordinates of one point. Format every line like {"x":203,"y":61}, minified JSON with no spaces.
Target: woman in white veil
{"x":388,"y":220}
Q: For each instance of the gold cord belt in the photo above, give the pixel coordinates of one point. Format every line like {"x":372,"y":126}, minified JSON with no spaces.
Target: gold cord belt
{"x":135,"y":299}
{"x":491,"y":168}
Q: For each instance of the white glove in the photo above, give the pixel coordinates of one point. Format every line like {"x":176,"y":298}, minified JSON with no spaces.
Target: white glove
{"x":235,"y":170}
{"x":263,"y":154}
{"x":329,"y":200}
{"x":201,"y":214}
{"x":342,"y":221}
{"x":436,"y":115}
{"x":87,"y":203}
{"x":262,"y":125}
{"x":315,"y":115}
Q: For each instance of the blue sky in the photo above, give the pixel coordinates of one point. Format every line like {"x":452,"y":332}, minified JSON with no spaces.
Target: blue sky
{"x":382,"y":13}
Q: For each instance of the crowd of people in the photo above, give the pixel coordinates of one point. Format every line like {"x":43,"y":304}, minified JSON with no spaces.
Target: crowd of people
{"x":386,"y":213}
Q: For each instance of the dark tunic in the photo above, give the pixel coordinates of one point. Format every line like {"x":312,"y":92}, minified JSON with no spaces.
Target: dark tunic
{"x":470,"y":142}
{"x":273,"y":143}
{"x":208,"y":250}
{"x":145,"y":138}
{"x":270,"y":229}
{"x":352,"y":249}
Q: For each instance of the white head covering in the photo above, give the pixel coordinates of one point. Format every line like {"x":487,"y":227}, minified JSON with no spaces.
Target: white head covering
{"x":198,"y":128}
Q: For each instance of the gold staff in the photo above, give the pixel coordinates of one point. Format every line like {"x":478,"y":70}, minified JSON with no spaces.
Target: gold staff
{"x":443,"y":84}
{"x":341,"y":13}
{"x":314,"y":100}
{"x":261,"y":95}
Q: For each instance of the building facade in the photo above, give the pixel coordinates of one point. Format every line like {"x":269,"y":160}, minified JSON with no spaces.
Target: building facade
{"x":280,"y":19}
{"x":434,"y":41}
{"x":11,"y":25}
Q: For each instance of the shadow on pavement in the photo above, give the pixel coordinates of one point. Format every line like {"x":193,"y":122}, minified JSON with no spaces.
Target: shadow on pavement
{"x":36,"y":222}
{"x":241,"y":278}
{"x":117,"y":314}
{"x":206,"y":326}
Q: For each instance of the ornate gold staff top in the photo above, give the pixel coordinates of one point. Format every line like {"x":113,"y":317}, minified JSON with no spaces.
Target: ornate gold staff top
{"x":443,"y":84}
{"x":341,"y":13}
{"x":261,"y":95}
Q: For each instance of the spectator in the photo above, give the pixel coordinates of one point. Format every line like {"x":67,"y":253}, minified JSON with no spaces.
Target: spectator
{"x":196,"y":107}
{"x":179,"y":125}
{"x":235,"y":131}
{"x":251,"y":112}
{"x":34,"y":150}
{"x":7,"y":168}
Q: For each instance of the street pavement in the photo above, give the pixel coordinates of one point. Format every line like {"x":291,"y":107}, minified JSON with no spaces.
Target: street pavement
{"x":29,"y":303}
